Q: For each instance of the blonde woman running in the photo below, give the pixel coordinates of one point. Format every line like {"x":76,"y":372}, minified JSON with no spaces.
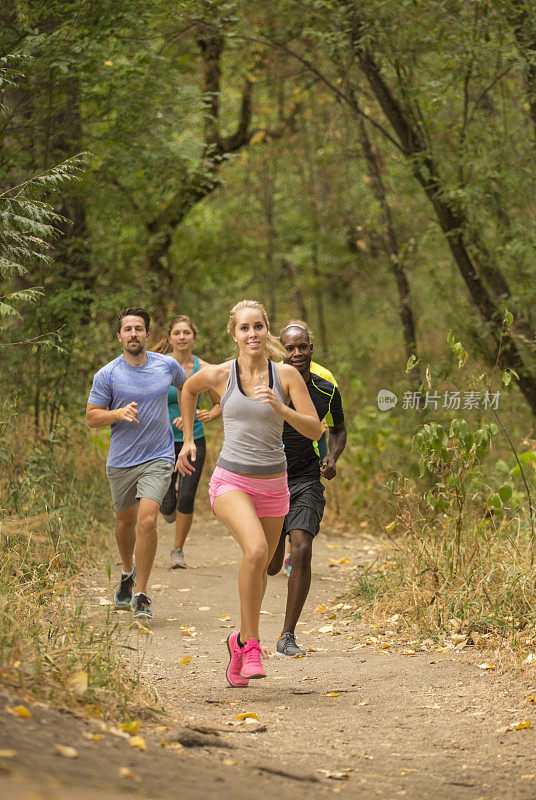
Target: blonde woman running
{"x":178,"y":503}
{"x":248,"y":489}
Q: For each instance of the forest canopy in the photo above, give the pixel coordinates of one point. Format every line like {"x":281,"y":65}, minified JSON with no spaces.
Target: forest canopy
{"x":368,"y":166}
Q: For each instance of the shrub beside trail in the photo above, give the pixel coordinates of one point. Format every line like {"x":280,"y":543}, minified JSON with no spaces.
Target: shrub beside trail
{"x":459,"y":553}
{"x":54,"y":528}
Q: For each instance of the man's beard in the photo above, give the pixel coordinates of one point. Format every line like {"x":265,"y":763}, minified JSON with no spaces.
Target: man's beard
{"x":134,"y":347}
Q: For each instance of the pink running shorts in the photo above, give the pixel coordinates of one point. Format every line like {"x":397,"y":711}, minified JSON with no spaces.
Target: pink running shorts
{"x":270,"y":495}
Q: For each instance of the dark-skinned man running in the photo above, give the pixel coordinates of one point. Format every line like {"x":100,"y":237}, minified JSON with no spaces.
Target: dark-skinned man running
{"x":304,"y":469}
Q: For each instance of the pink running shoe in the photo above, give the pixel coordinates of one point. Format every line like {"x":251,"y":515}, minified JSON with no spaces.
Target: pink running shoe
{"x":251,"y":660}
{"x":235,"y":661}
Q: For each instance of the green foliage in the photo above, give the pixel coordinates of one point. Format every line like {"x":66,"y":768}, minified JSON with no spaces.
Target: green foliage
{"x":27,"y":228}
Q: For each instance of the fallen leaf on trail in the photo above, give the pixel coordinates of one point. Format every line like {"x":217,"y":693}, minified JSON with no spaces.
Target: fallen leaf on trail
{"x":336,"y":562}
{"x":266,"y":613}
{"x":385,"y":645}
{"x":94,"y":711}
{"x":104,"y":602}
{"x":229,"y":762}
{"x":325,"y":629}
{"x":247,"y":715}
{"x":408,"y":652}
{"x":331,"y":694}
{"x":250,"y":721}
{"x":188,"y":631}
{"x":156,"y":586}
{"x":125,"y":772}
{"x":332,"y":546}
{"x":487,"y":665}
{"x":521,"y":725}
{"x":8,"y":753}
{"x":77,"y":682}
{"x":171,"y":619}
{"x":185,"y":660}
{"x":226,"y":625}
{"x":529,"y":777}
{"x":132,"y":726}
{"x":117,"y":732}
{"x":458,"y":638}
{"x":441,"y":649}
{"x":176,"y":746}
{"x":142,"y":628}
{"x":364,"y":703}
{"x":66,"y":752}
{"x":204,"y":608}
{"x":336,"y":776}
{"x":225,"y":618}
{"x":189,"y":589}
{"x":320,"y":609}
{"x":139,"y":742}
{"x":531,"y":699}
{"x":20,"y":710}
{"x":407,"y":771}
{"x":94,"y":737}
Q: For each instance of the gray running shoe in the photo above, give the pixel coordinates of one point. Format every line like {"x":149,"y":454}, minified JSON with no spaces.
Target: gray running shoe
{"x":177,"y":559}
{"x":170,"y":517}
{"x":286,"y":646}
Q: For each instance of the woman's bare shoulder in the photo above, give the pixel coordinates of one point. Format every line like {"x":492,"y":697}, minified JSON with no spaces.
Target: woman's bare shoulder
{"x":287,"y":372}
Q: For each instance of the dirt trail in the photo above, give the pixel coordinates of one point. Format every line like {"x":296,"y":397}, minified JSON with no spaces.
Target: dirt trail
{"x":350,"y":718}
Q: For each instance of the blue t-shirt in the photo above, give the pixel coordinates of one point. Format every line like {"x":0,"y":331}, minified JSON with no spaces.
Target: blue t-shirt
{"x":119,"y":383}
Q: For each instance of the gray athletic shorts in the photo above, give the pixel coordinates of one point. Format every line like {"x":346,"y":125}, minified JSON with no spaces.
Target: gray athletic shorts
{"x":129,"y":484}
{"x":306,"y":507}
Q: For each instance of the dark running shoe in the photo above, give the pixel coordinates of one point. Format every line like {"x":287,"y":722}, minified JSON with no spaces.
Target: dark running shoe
{"x":125,"y":591}
{"x":286,"y":645}
{"x":141,"y":606}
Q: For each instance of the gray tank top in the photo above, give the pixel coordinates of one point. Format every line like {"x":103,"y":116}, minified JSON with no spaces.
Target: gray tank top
{"x":253,"y":443}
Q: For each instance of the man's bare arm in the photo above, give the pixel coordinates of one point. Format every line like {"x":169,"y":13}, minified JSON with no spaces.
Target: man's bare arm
{"x":100,"y":417}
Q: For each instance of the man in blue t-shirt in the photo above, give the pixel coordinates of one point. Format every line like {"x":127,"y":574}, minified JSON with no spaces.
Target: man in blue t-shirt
{"x":130,"y":394}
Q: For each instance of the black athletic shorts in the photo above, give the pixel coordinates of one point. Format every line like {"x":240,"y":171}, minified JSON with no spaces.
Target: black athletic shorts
{"x":307,"y":503}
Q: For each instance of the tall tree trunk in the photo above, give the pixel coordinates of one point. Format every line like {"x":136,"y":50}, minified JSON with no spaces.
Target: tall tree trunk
{"x":450,"y":218}
{"x":524,"y":28}
{"x":202,"y":181}
{"x":289,"y":268}
{"x":390,"y":243}
{"x":318,"y":293}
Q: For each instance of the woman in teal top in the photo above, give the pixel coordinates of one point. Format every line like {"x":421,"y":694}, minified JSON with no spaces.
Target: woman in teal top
{"x":178,"y":504}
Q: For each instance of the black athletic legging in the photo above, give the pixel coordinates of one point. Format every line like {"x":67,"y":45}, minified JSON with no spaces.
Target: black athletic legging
{"x":183,"y":500}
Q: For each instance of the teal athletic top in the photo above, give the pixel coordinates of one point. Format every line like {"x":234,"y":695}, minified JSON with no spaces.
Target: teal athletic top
{"x":175,"y":410}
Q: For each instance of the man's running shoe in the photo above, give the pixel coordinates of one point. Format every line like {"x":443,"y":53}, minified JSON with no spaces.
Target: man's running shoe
{"x":286,"y":645}
{"x":287,"y":565}
{"x":125,"y":591}
{"x":235,"y":661}
{"x":177,"y":559}
{"x":252,"y":660}
{"x":170,"y":517}
{"x":141,"y":606}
